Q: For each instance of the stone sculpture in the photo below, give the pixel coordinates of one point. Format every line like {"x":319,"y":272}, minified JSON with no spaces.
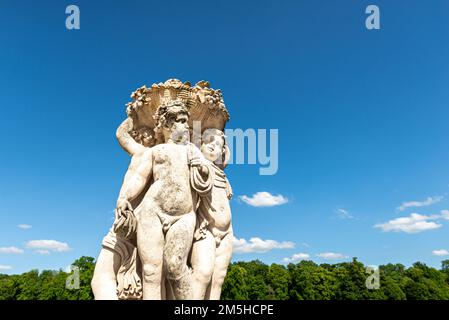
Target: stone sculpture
{"x":172,"y":233}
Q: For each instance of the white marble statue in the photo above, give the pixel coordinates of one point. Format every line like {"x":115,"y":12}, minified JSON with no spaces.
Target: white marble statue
{"x":172,"y":234}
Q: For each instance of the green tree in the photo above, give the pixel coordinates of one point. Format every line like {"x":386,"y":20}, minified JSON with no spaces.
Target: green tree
{"x":311,"y":282}
{"x":28,"y":286}
{"x":445,"y":269}
{"x":425,"y":283}
{"x":8,"y":287}
{"x":234,"y":286}
{"x":256,"y":275}
{"x":278,"y":280}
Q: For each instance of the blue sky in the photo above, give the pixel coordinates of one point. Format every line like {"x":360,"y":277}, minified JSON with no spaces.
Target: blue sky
{"x":362,"y":118}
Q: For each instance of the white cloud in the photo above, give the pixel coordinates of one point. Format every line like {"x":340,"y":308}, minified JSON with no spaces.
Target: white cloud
{"x":258,"y":245}
{"x":440,"y":253}
{"x":264,"y":199}
{"x":414,"y":223}
{"x":47,"y":245}
{"x":297,"y":257}
{"x":10,"y":250}
{"x":332,"y":256}
{"x":343,"y":214}
{"x":411,"y":204}
{"x":4,"y":268}
{"x":24,"y":226}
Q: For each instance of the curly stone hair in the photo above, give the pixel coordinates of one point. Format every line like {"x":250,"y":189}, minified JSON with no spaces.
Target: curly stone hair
{"x":166,"y":113}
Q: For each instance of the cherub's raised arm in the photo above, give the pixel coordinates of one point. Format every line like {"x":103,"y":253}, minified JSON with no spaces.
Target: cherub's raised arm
{"x":125,"y":140}
{"x":138,"y":174}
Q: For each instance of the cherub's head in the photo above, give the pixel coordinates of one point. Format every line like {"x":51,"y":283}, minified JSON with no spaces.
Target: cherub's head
{"x":172,"y":121}
{"x":214,"y":147}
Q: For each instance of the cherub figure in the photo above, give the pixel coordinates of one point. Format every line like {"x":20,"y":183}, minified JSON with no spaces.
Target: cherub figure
{"x":212,"y":248}
{"x":166,"y":216}
{"x":118,"y":271}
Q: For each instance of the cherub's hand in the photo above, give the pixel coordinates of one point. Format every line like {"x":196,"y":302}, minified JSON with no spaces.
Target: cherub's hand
{"x":204,"y":170}
{"x":125,"y":223}
{"x":123,"y":205}
{"x":202,"y":167}
{"x":195,"y":162}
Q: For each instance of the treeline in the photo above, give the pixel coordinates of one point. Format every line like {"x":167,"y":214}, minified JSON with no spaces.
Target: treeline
{"x":48,"y":284}
{"x":305,"y":280}
{"x":343,"y":281}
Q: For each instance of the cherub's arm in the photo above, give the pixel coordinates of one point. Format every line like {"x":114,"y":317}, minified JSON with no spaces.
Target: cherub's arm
{"x":198,"y":160}
{"x":229,"y":191}
{"x":125,"y":140}
{"x":136,"y":177}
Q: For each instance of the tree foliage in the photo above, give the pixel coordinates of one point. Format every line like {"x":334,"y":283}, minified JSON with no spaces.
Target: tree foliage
{"x":48,"y":284}
{"x":305,"y":280}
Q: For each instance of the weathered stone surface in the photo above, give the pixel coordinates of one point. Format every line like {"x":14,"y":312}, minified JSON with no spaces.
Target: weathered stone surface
{"x":172,"y":234}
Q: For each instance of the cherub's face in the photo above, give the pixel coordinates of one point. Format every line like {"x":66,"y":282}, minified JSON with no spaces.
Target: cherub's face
{"x":180,"y":128}
{"x":212,"y":147}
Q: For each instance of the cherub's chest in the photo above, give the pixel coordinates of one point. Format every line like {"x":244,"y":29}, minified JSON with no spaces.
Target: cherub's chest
{"x":170,"y":156}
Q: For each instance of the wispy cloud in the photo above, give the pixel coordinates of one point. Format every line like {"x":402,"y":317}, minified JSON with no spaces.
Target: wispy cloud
{"x":413,"y":204}
{"x":258,"y":245}
{"x":264,"y":199}
{"x":24,"y":226}
{"x":47,"y":245}
{"x":4,"y":268}
{"x":414,"y":223}
{"x":332,"y":256}
{"x":14,"y":250}
{"x":440,"y":253}
{"x":343,"y":214}
{"x":297,"y":257}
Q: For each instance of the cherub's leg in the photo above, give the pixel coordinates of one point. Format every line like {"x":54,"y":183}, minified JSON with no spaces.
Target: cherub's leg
{"x":150,"y":243}
{"x":222,"y":258}
{"x":104,"y":280}
{"x":168,"y":290}
{"x":163,"y":287}
{"x":202,"y":261}
{"x":178,"y":242}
